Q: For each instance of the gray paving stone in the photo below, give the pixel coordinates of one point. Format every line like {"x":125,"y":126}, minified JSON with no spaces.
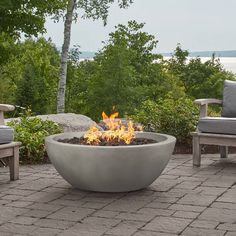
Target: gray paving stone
{"x":17,"y":228}
{"x":106,"y":214}
{"x":200,"y":232}
{"x":38,"y":184}
{"x":75,"y":197}
{"x":44,"y":207}
{"x":8,"y":234}
{"x":191,"y":208}
{"x":166,"y":199}
{"x":94,"y":205}
{"x":11,"y":197}
{"x":66,"y":202}
{"x":4,"y":202}
{"x":45,"y":232}
{"x":20,"y":204}
{"x":158,"y":205}
{"x":126,"y":228}
{"x":219,"y":215}
{"x":19,"y":192}
{"x":220,"y":181}
{"x":56,"y":224}
{"x":42,"y":197}
{"x":122,"y":205}
{"x":37,"y":213}
{"x":227,"y":226}
{"x":186,"y":214}
{"x":188,"y":184}
{"x":92,"y":220}
{"x":176,"y":194}
{"x":147,"y":196}
{"x":229,"y":196}
{"x":81,"y":229}
{"x":223,"y":205}
{"x":216,"y":191}
{"x":23,"y":220}
{"x":8,"y":213}
{"x":167,"y":224}
{"x":136,"y":216}
{"x":193,"y":179}
{"x":230,"y":233}
{"x":71,"y":214}
{"x":151,"y":233}
{"x":206,"y":224}
{"x":197,"y":200}
{"x":163,"y":184}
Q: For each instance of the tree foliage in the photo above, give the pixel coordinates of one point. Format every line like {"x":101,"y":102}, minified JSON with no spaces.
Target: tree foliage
{"x":200,"y":79}
{"x":176,"y":117}
{"x":121,"y":76}
{"x":94,"y":9}
{"x":30,"y":77}
{"x":28,"y":17}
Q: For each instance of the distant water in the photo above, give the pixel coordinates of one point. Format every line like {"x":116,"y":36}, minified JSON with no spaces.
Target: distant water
{"x":229,"y":63}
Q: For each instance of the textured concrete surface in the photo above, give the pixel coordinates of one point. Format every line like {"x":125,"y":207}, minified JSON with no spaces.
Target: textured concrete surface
{"x":182,"y":201}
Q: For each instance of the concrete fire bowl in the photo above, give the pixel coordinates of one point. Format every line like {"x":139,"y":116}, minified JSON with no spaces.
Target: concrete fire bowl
{"x":110,"y":168}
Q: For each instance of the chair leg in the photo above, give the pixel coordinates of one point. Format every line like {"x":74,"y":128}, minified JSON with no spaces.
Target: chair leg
{"x":196,"y":151}
{"x":14,"y":164}
{"x":223,"y":151}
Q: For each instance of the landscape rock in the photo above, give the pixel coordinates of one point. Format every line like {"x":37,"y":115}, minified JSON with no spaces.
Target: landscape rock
{"x":70,"y":122}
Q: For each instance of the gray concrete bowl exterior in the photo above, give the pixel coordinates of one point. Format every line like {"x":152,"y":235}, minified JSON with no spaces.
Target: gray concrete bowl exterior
{"x":110,"y":168}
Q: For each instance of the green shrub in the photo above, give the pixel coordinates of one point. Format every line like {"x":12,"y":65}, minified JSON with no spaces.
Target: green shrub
{"x":175,"y":117}
{"x":31,"y":132}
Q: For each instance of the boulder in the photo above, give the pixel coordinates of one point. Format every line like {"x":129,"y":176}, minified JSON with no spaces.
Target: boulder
{"x":70,"y":122}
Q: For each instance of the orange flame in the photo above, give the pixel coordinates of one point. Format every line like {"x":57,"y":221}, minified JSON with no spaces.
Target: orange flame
{"x":116,"y":131}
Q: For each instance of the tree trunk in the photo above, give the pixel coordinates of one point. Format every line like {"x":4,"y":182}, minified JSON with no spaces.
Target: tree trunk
{"x":64,"y":57}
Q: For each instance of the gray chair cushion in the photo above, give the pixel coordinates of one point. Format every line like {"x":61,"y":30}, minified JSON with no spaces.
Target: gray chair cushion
{"x":229,"y":99}
{"x":218,"y":125}
{"x":6,"y":134}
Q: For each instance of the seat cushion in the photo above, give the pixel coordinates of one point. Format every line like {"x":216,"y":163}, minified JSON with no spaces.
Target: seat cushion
{"x":218,"y":125}
{"x":229,"y":99}
{"x":6,"y":134}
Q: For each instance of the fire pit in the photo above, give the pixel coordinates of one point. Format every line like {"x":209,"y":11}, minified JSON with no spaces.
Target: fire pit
{"x":106,"y":168}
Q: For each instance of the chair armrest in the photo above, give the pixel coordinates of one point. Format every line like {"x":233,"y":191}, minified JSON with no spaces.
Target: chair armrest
{"x":207,"y":101}
{"x":204,"y":104}
{"x":6,"y":107}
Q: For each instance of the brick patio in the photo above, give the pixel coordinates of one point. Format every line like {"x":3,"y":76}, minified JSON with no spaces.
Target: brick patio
{"x":183,"y":201}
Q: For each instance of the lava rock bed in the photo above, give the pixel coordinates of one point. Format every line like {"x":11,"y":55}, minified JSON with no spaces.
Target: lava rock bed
{"x":104,"y":142}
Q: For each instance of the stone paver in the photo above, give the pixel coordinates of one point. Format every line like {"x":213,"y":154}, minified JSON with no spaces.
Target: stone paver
{"x":168,"y":224}
{"x":200,"y":232}
{"x":182,"y":201}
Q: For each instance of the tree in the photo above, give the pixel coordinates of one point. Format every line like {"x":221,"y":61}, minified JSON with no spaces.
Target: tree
{"x":37,"y":86}
{"x":18,"y":17}
{"x":200,"y":79}
{"x":30,"y":77}
{"x":122,"y":74}
{"x":28,"y":17}
{"x":94,"y":9}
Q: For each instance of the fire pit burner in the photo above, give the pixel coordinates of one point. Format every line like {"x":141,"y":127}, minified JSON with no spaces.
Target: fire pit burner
{"x":110,"y":168}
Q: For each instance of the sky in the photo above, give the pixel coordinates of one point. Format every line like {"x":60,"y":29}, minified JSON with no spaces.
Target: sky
{"x":198,"y":25}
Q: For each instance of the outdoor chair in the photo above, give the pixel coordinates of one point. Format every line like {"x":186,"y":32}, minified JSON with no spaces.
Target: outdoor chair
{"x":216,"y":130}
{"x":8,"y":148}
